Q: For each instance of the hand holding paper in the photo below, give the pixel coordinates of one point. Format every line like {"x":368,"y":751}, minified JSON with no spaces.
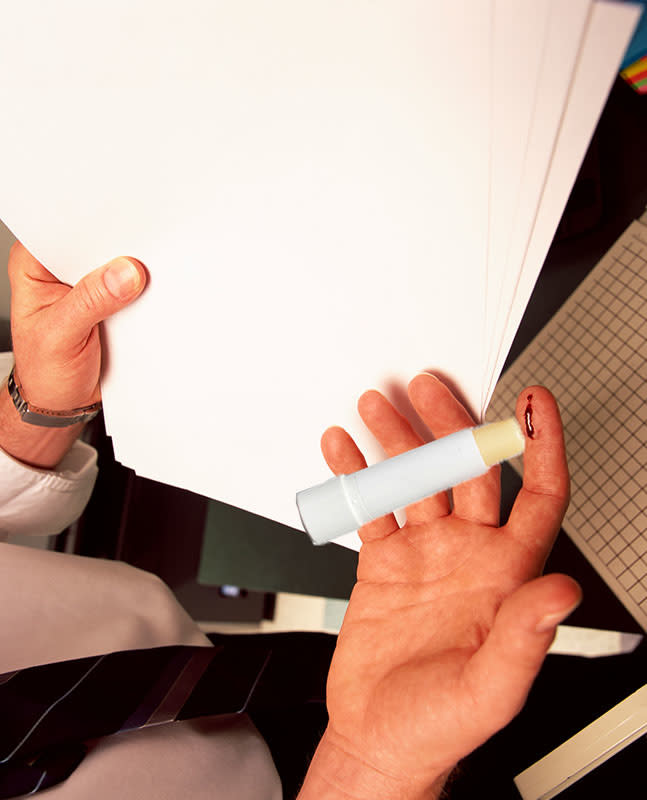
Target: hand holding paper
{"x":55,"y":331}
{"x":57,"y":352}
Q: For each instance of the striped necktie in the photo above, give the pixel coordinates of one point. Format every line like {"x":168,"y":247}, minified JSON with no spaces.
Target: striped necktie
{"x":48,"y":712}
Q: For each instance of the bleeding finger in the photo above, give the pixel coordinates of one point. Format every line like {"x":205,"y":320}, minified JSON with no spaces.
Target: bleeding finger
{"x":542,"y":501}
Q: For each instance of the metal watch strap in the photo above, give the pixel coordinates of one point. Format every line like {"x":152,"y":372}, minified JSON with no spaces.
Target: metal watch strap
{"x":45,"y":417}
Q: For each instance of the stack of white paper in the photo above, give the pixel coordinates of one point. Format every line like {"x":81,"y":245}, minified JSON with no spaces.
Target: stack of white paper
{"x":329,"y":196}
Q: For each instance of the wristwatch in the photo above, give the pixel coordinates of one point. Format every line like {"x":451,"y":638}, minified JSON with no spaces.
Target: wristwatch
{"x":43,"y":416}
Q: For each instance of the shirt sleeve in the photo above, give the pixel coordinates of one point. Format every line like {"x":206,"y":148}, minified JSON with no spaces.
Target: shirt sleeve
{"x":39,"y":501}
{"x":45,"y":502}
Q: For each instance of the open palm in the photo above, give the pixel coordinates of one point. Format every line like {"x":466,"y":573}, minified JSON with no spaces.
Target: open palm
{"x":446,"y":628}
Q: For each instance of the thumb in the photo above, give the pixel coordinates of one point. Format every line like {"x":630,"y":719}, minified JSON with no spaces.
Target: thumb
{"x":100,"y":294}
{"x":503,"y":669}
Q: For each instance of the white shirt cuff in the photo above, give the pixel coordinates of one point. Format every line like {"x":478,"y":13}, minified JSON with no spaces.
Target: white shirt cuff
{"x":45,"y":502}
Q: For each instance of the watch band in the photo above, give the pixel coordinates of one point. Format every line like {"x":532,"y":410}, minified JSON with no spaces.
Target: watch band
{"x":43,"y":416}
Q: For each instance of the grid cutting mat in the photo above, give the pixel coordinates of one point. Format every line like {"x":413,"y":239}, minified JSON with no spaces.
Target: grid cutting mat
{"x":593,"y":356}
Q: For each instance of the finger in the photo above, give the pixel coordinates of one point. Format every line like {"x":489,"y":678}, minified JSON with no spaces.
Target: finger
{"x":396,"y":435}
{"x":477,"y":500}
{"x":97,"y":296}
{"x":543,"y":499}
{"x":343,"y":457}
{"x":501,"y":672}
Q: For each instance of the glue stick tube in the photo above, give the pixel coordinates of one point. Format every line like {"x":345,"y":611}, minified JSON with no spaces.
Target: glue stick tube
{"x":346,"y":502}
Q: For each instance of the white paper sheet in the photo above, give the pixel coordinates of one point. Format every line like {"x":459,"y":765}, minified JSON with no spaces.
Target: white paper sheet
{"x":299,"y":185}
{"x":609,"y":29}
{"x":518,"y":44}
{"x":559,"y":49}
{"x":309,"y":185}
{"x":572,"y":640}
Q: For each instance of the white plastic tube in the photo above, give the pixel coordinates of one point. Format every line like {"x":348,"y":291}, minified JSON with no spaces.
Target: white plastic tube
{"x":346,"y":502}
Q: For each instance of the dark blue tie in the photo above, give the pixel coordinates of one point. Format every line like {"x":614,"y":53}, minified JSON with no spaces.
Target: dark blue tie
{"x":48,"y":712}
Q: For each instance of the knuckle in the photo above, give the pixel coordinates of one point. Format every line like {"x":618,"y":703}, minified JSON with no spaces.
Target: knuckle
{"x":88,"y":296}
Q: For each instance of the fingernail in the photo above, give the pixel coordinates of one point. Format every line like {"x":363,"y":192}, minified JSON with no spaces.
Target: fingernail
{"x":551,"y":621}
{"x":428,"y":374}
{"x":122,"y":278}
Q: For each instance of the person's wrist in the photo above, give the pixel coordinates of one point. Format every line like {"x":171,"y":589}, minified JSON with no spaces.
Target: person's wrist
{"x":48,"y":417}
{"x":34,"y":446}
{"x":336,"y":773}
